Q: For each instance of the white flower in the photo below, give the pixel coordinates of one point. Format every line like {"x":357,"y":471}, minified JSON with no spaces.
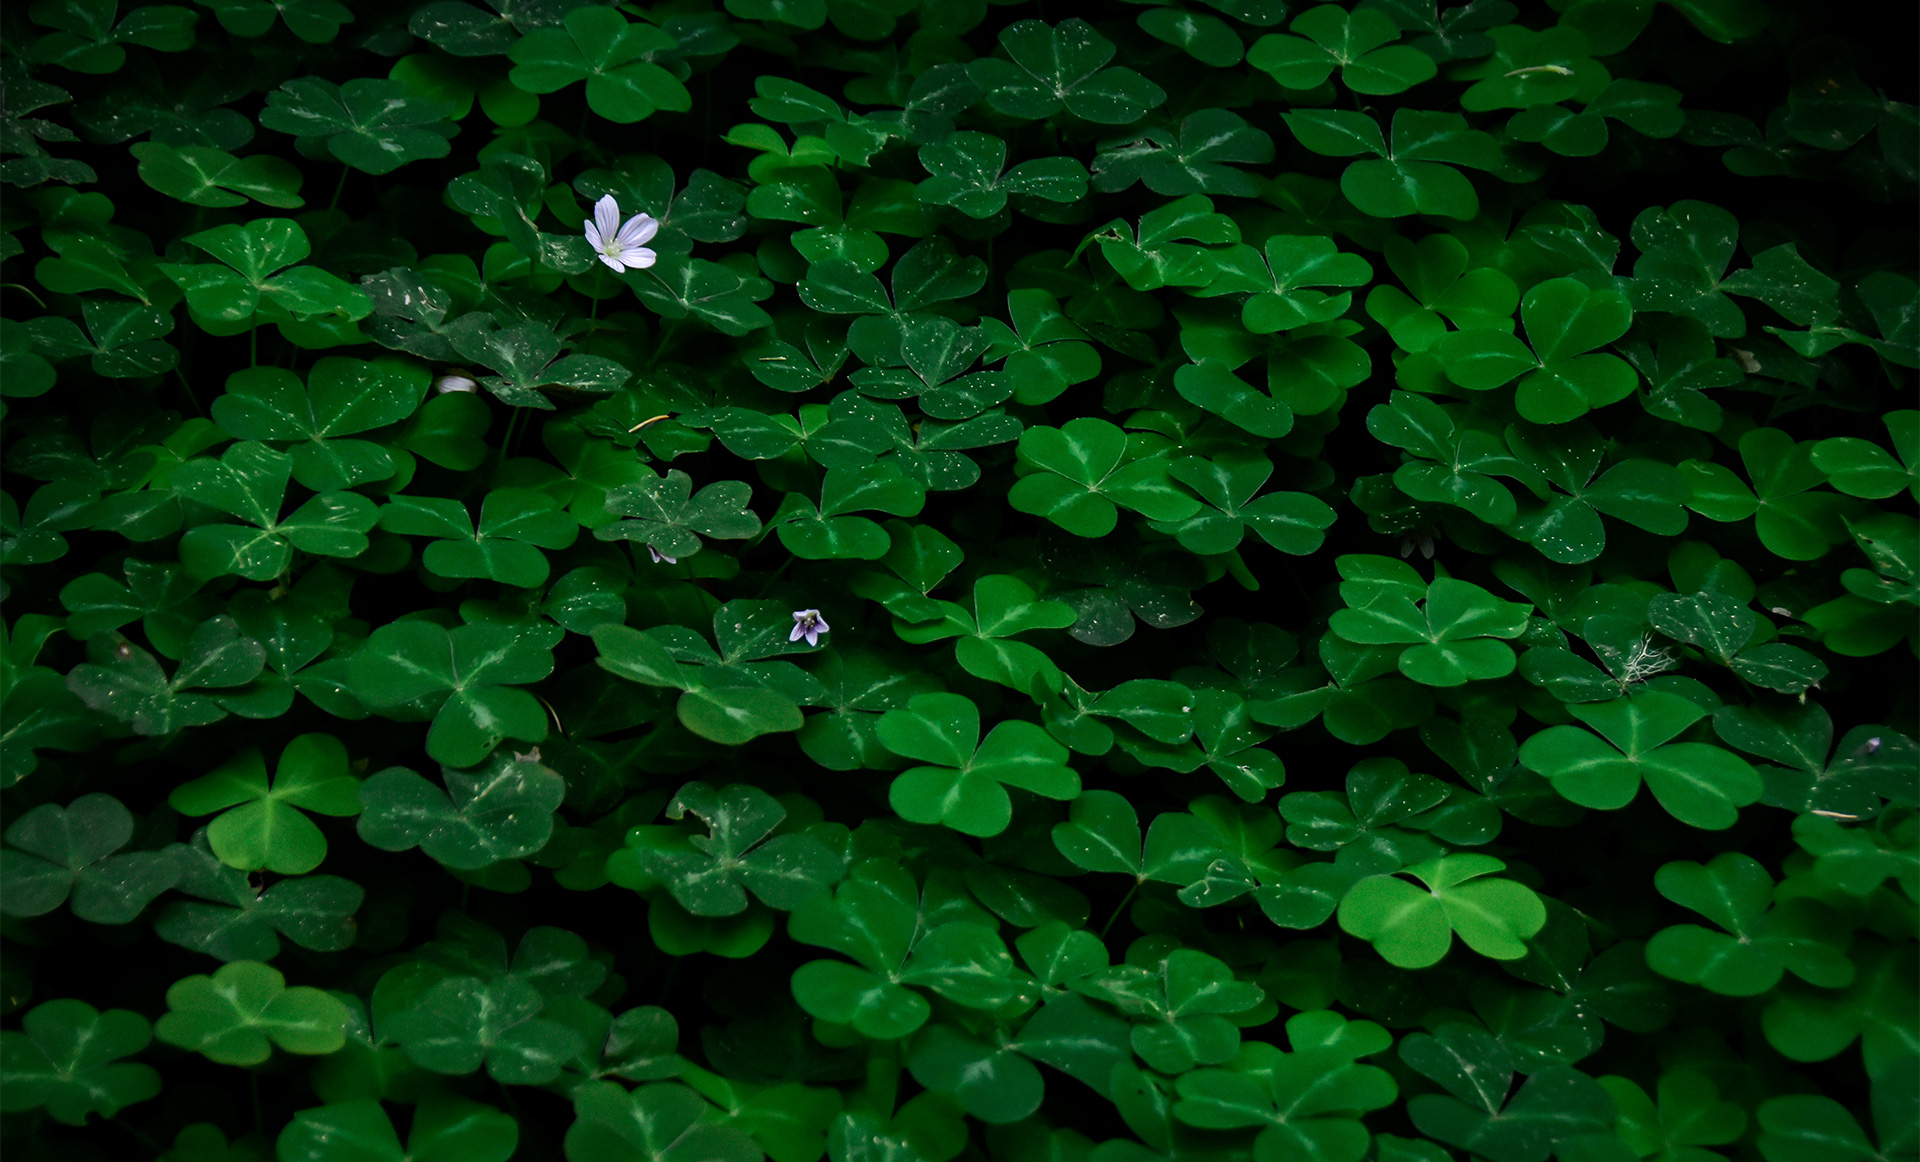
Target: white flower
{"x":448,"y":383}
{"x":659,"y":556}
{"x":621,"y":246}
{"x":807,"y":623}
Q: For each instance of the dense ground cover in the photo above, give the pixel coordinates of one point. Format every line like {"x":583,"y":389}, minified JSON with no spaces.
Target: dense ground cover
{"x":1315,"y":583}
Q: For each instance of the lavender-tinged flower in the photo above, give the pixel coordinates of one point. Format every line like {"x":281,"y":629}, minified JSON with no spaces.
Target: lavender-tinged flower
{"x":447,"y":383}
{"x":807,"y":623}
{"x":621,"y":246}
{"x":659,"y":556}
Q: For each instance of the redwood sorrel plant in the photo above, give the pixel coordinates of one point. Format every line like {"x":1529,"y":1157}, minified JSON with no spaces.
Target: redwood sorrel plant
{"x":908,"y":580}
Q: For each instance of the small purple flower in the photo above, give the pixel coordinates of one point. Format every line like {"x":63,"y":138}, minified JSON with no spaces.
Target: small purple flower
{"x":659,"y":556}
{"x":807,"y":623}
{"x":621,"y":246}
{"x":455,"y":383}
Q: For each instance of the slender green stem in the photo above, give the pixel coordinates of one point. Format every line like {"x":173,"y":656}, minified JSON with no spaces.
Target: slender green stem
{"x":339,"y":187}
{"x":144,"y":1138}
{"x":506,"y":1095}
{"x":506,"y":443}
{"x":785,"y":561}
{"x":666,"y":336}
{"x":1119,"y":908}
{"x":188,"y":388}
{"x":28,"y":291}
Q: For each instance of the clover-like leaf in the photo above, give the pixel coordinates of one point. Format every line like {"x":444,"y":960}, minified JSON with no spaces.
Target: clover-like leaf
{"x":1197,"y":156}
{"x":1685,"y":250}
{"x":1327,"y":39}
{"x":661,"y":1122}
{"x":1412,"y":928}
{"x":255,"y":275}
{"x":232,"y":919}
{"x":1554,"y":1104}
{"x":1565,"y":319}
{"x":1690,"y":1113}
{"x":240,"y":1013}
{"x":59,"y":853}
{"x":314,"y":21}
{"x":1308,"y":1101}
{"x":89,"y":38}
{"x":1083,"y":480}
{"x":507,"y":190}
{"x":375,"y":125}
{"x":125,"y":340}
{"x":969,"y":174}
{"x":1278,"y":277}
{"x":467,"y":680}
{"x":1449,"y":463}
{"x":1181,"y":1004}
{"x":613,"y":56}
{"x":1292,"y":522}
{"x":1439,"y":286}
{"x":261,"y":826}
{"x":65,"y":1060}
{"x":1860,"y":467}
{"x":462,"y":1022}
{"x":444,"y":1129}
{"x":1697,"y":783}
{"x":1414,"y":174}
{"x":527,"y":356}
{"x":502,"y":811}
{"x":249,"y":481}
{"x":342,"y":397}
{"x":1734,"y":891}
{"x":1646,"y":493}
{"x":1063,"y":68}
{"x":203,"y":176}
{"x":515,"y":524}
{"x":667,"y":515}
{"x":726,"y":700}
{"x":124,"y":681}
{"x":1806,"y":1127}
{"x":711,"y":875}
{"x":678,"y":286}
{"x":966,"y":788}
{"x":1458,"y":624}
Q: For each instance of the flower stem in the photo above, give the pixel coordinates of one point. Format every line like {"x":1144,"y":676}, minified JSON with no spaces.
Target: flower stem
{"x":144,"y":1138}
{"x":26,"y":290}
{"x":188,"y":388}
{"x":1119,"y":908}
{"x":339,"y":187}
{"x":666,"y":336}
{"x":513,"y":426}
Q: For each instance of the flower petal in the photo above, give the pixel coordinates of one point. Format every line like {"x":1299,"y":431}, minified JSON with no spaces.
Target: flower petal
{"x":820,"y":623}
{"x":606,"y":216}
{"x":799,"y":631}
{"x":618,"y":266}
{"x":638,"y":257}
{"x":639,"y":229}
